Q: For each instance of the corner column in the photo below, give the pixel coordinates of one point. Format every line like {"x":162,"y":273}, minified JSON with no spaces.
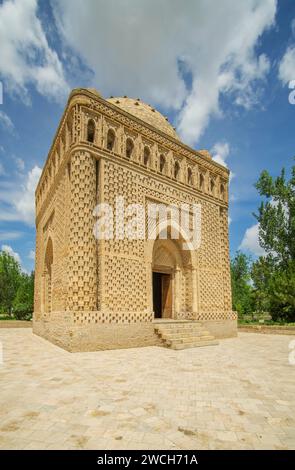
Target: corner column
{"x":225,"y":260}
{"x":82,"y":265}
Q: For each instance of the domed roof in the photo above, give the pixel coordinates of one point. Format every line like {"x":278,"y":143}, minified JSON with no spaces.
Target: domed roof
{"x":145,"y":112}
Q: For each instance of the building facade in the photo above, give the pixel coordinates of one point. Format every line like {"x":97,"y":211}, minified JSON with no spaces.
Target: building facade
{"x":95,"y":293}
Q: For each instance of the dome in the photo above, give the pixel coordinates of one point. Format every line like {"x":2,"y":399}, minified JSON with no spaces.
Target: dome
{"x":145,"y":112}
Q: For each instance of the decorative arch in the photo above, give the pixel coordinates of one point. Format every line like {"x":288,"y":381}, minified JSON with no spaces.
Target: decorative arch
{"x":111,"y":138}
{"x":176,"y":170}
{"x":146,"y":156}
{"x":179,"y":236}
{"x":189,"y":176}
{"x":90,"y":131}
{"x":129,"y":147}
{"x":176,"y":266}
{"x":201,"y":182}
{"x":162,"y":163}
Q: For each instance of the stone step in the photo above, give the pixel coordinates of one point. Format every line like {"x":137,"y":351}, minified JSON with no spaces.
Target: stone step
{"x":194,"y":344}
{"x":177,"y":324}
{"x":186,"y":334}
{"x":190,"y":339}
{"x":178,"y":328}
{"x":182,"y":334}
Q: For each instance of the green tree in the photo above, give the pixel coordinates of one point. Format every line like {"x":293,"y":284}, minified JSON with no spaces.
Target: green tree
{"x":23,"y":304}
{"x":282,"y":290}
{"x":241,"y":284}
{"x":276,"y":216}
{"x":274,"y":275}
{"x":261,"y":273}
{"x":10,"y":279}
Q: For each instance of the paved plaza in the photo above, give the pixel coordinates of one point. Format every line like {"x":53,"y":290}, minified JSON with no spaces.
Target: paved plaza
{"x":237,"y":395}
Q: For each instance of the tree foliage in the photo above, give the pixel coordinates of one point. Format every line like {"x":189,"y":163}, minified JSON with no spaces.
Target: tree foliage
{"x":10,"y":279}
{"x":276,"y":216}
{"x":16,"y":288}
{"x":241,"y":287}
{"x":23,"y":304}
{"x":273,"y":275}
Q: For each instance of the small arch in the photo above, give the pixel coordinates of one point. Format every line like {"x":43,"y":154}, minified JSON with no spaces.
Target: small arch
{"x":90,"y":131}
{"x":111,"y":137}
{"x":162,"y":163}
{"x":189,"y":176}
{"x":201,"y":181}
{"x":176,"y":170}
{"x":212,"y":185}
{"x":146,"y":156}
{"x":129,"y":147}
{"x":222,"y":191}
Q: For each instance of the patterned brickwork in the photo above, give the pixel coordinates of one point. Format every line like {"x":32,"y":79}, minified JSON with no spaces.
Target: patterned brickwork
{"x":82,"y":265}
{"x":120,"y":294}
{"x":224,"y":248}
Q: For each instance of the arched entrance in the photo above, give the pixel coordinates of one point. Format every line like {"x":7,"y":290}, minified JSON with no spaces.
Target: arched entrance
{"x":173,"y":281}
{"x":166,"y":265}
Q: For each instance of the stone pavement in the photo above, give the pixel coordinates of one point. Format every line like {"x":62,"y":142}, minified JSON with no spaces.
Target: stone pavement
{"x":237,"y":395}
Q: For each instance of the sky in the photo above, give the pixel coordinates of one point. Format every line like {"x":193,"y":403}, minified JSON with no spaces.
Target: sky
{"x":221,"y":71}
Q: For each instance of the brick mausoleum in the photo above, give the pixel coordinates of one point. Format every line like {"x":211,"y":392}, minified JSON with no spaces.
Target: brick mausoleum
{"x":101,"y":294}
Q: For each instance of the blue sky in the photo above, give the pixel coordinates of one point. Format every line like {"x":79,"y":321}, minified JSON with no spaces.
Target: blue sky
{"x":219,"y":70}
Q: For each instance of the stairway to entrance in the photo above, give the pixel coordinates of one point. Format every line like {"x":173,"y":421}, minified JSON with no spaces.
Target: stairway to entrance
{"x":178,"y":334}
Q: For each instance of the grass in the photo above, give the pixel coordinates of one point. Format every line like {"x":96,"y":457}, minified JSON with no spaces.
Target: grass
{"x":241,"y":321}
{"x":4,"y":316}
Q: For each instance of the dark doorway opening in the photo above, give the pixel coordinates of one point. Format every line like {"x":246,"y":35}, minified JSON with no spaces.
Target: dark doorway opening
{"x":162,"y":295}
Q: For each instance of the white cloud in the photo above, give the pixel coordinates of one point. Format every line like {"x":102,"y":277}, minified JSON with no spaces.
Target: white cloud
{"x":220,"y":151}
{"x":287,"y":63}
{"x":18,"y":200}
{"x":13,"y":235}
{"x":287,"y":66}
{"x":9,"y":250}
{"x":25,"y":205}
{"x":136,"y":48}
{"x":6,"y":122}
{"x":32,"y":255}
{"x":26,"y":57}
{"x":250,"y":241}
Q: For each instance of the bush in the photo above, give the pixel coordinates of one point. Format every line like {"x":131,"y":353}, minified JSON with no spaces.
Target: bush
{"x":282,"y":299}
{"x":23,"y":304}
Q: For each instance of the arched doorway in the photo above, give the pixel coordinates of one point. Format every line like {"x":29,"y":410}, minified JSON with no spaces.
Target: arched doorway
{"x":47,"y":276}
{"x":173,"y":281}
{"x":166,"y":264}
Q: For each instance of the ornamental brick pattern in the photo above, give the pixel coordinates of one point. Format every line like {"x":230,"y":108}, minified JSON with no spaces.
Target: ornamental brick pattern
{"x":97,"y":294}
{"x":82,"y":265}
